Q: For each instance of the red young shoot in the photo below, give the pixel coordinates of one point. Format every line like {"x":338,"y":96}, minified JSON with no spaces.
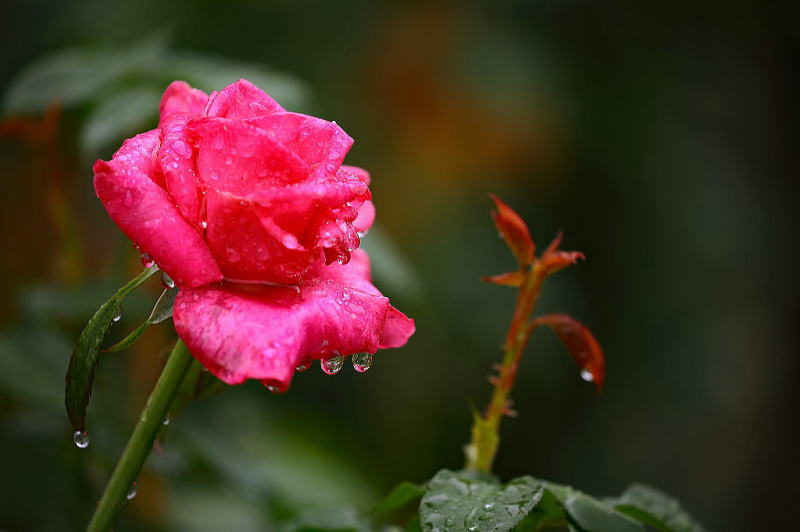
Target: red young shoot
{"x":581,"y":344}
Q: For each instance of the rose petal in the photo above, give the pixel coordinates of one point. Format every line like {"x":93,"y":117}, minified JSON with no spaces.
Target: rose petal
{"x":264,"y":332}
{"x":250,"y":244}
{"x":360,"y":173}
{"x":366,"y":217}
{"x":183,"y":99}
{"x":398,"y":328}
{"x":177,"y":166}
{"x":316,"y":141}
{"x":239,"y":158}
{"x":241,"y":100}
{"x":148,"y":216}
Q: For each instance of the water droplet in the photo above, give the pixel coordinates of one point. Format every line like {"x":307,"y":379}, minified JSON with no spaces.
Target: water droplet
{"x":147,"y":260}
{"x":117,"y":314}
{"x":587,"y":375}
{"x":273,"y":389}
{"x":204,"y":224}
{"x":132,"y":492}
{"x":472,"y":528}
{"x":81,"y":439}
{"x":332,"y":365}
{"x":362,"y":362}
{"x":182,"y":149}
{"x":301,"y":368}
{"x":488,"y":506}
{"x":167,"y":281}
{"x":166,"y":420}
{"x":233,"y":255}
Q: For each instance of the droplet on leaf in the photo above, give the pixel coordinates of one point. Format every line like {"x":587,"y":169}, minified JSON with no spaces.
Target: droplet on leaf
{"x":117,"y":315}
{"x":132,"y":492}
{"x":167,"y":281}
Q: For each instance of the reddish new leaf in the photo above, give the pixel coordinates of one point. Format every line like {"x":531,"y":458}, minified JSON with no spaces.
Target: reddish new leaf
{"x":514,"y":279}
{"x":553,"y":259}
{"x":580,"y":343}
{"x":514,"y":231}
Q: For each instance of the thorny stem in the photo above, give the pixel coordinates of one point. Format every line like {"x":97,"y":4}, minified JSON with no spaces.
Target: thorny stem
{"x":481,"y":450}
{"x":141,"y":441}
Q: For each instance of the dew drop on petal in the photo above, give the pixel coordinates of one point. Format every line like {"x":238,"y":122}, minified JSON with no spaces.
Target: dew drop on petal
{"x":182,"y":149}
{"x":233,"y":255}
{"x":147,"y":260}
{"x":362,"y":362}
{"x":81,"y":439}
{"x":332,"y":365}
{"x":587,"y":375}
{"x":204,"y":224}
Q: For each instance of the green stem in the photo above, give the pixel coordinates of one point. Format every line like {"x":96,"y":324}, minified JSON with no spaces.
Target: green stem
{"x":141,"y":441}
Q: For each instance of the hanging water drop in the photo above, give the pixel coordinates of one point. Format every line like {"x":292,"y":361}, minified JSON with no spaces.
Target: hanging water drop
{"x":332,"y":365}
{"x":81,"y":439}
{"x":147,"y":260}
{"x":301,"y":368}
{"x":587,"y":375}
{"x":117,"y":314}
{"x":167,"y":281}
{"x":166,"y":420}
{"x":362,"y":362}
{"x":132,"y":492}
{"x":273,"y":389}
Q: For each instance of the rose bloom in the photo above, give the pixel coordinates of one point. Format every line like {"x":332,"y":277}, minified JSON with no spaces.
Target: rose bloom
{"x":248,"y":208}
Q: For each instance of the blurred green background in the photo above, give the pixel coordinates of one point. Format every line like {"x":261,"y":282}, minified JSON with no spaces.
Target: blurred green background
{"x":658,"y":138}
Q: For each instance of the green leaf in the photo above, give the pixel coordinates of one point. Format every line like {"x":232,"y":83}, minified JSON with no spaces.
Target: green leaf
{"x":547,"y":514}
{"x":402,"y":494}
{"x":212,"y":73}
{"x":162,"y":310}
{"x":656,"y":509}
{"x":80,"y":373}
{"x":329,"y":520}
{"x":463,"y":501}
{"x":118,"y":116}
{"x":75,"y":76}
{"x":67,"y":77}
{"x":593,"y":516}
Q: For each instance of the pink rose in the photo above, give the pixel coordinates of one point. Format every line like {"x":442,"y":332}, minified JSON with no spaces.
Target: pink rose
{"x":250,"y":211}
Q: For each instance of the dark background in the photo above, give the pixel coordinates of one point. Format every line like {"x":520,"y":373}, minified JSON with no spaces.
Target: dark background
{"x":661,"y":138}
